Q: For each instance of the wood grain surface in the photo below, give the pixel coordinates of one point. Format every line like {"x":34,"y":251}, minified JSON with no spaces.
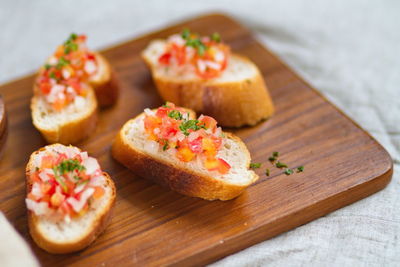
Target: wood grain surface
{"x":3,"y":125}
{"x":154,"y":226}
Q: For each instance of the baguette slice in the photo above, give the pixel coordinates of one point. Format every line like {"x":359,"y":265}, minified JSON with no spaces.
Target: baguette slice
{"x":104,"y":82}
{"x":69,"y":126}
{"x":63,"y":237}
{"x":132,"y":148}
{"x":238,"y":97}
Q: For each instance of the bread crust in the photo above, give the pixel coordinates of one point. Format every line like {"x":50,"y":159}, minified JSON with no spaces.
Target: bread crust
{"x":71,"y":132}
{"x":182,"y":180}
{"x":232,"y":104}
{"x":105,"y":85}
{"x":97,"y":228}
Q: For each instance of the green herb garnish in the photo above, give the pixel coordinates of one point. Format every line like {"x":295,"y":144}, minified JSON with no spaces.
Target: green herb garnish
{"x":288,"y":171}
{"x":300,"y":169}
{"x":255,"y":165}
{"x":267,"y":172}
{"x":197,"y":44}
{"x":53,"y":76}
{"x":47,"y":66}
{"x":280,"y":165}
{"x":271,"y":159}
{"x":70,"y":45}
{"x":216,"y":37}
{"x":275,"y":154}
{"x":190,"y":124}
{"x":185,"y":33}
{"x":166,"y":146}
{"x":175,"y":114}
{"x":69,"y":165}
{"x":62,"y":62}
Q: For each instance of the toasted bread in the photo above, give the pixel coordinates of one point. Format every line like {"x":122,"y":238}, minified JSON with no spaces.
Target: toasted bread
{"x":238,"y":97}
{"x":65,"y":237}
{"x":131,"y":148}
{"x":104,"y":83}
{"x":68,"y":126}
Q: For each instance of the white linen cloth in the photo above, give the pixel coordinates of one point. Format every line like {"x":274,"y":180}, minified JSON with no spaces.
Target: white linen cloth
{"x":349,"y":50}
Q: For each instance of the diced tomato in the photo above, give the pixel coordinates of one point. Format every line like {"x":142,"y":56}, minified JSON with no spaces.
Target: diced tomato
{"x":217,"y":164}
{"x":35,"y":177}
{"x":46,"y":187}
{"x":223,"y":166}
{"x":61,"y":158}
{"x":66,"y":208}
{"x":91,"y":56}
{"x":179,"y":53}
{"x":70,"y":186}
{"x":209,"y":147}
{"x":98,"y":192}
{"x":59,"y":103}
{"x":45,"y":198}
{"x":151,"y":122}
{"x":185,"y":154}
{"x":211,"y":164}
{"x":209,"y":122}
{"x":56,"y":199}
{"x":75,"y":84}
{"x":208,"y":73}
{"x":162,"y":112}
{"x":47,"y":162}
{"x":82,"y":38}
{"x":196,"y":145}
{"x":164,"y":58}
{"x":45,"y":87}
{"x":217,"y":141}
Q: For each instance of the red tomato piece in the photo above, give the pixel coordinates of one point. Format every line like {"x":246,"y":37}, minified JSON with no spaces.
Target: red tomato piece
{"x":165,"y":58}
{"x":47,"y":162}
{"x":209,"y":122}
{"x":196,"y":145}
{"x":223,"y":166}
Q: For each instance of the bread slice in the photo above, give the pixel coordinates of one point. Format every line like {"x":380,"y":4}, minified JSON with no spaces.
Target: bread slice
{"x":68,"y":126}
{"x":104,"y":82}
{"x":147,"y":159}
{"x":65,"y":237}
{"x":238,"y":97}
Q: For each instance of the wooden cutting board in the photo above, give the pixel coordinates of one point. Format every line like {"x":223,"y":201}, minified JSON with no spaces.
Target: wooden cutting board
{"x":155,"y":226}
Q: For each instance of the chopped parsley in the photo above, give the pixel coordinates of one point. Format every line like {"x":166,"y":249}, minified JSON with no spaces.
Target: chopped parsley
{"x":166,"y":146}
{"x":68,"y":165}
{"x":255,"y":165}
{"x":47,"y":66}
{"x":216,"y":37}
{"x":62,"y":62}
{"x":190,"y":124}
{"x":267,"y":172}
{"x":194,"y":42}
{"x":275,"y":154}
{"x":300,"y":169}
{"x":280,"y":165}
{"x":185,"y":33}
{"x":272,"y":159}
{"x":175,"y":114}
{"x":288,"y":171}
{"x":53,"y":76}
{"x":69,"y":45}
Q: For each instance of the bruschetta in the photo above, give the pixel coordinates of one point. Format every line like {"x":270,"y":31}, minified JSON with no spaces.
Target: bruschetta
{"x":64,"y":105}
{"x":69,"y":199}
{"x":201,"y":73}
{"x":191,"y":156}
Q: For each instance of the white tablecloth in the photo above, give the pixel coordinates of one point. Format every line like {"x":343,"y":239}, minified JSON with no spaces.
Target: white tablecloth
{"x":349,"y":50}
